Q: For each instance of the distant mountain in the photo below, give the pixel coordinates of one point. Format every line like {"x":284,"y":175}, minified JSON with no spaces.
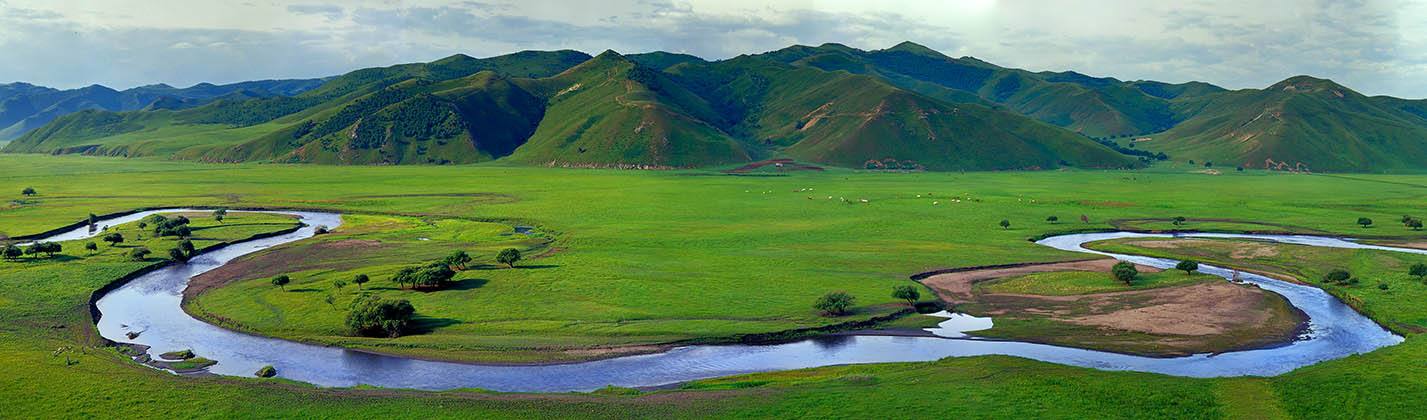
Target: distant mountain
{"x":1316,"y":122}
{"x":908,"y":106}
{"x":25,"y":107}
{"x":1096,"y":107}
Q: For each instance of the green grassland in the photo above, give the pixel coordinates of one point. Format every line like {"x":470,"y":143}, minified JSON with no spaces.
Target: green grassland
{"x":1068,"y":283}
{"x":711,"y":254}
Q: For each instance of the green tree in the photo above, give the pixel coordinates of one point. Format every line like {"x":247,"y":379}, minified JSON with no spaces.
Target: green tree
{"x":138,"y":254}
{"x":1053,"y":219}
{"x":1337,"y":275}
{"x":1415,"y":224}
{"x":11,"y":252}
{"x":282,"y":281}
{"x":1125,"y":271}
{"x":339,"y":284}
{"x":220,"y":214}
{"x":908,"y":293}
{"x":835,"y":303}
{"x":458,"y":260}
{"x":1365,"y":221}
{"x":372,"y":316}
{"x":1187,"y":266}
{"x":187,"y":247}
{"x":1419,"y":270}
{"x":404,"y":276}
{"x":1005,"y":224}
{"x":360,"y":279}
{"x":28,"y":191}
{"x":1179,"y":220}
{"x":1405,"y":219}
{"x":114,"y":239}
{"x":91,"y":247}
{"x":93,"y":219}
{"x":177,"y":255}
{"x":508,"y":256}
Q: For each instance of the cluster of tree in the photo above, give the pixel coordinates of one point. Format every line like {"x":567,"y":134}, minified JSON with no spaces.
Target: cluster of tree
{"x":893,"y":164}
{"x":457,"y":260}
{"x":1412,"y":222}
{"x":372,"y":316}
{"x":11,"y":252}
{"x":114,"y":239}
{"x":366,"y":106}
{"x":835,"y":303}
{"x":431,"y":276}
{"x":242,"y":113}
{"x":1418,"y":270}
{"x":47,"y":248}
{"x":165,"y":226}
{"x":422,"y":117}
{"x":1125,"y":272}
{"x":1144,"y":155}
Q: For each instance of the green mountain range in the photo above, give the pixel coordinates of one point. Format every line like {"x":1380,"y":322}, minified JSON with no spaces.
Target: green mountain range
{"x":907,"y":106}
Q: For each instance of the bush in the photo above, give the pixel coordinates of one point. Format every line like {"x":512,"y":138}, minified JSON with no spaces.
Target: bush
{"x":266,"y":372}
{"x":1187,"y":266}
{"x":908,"y":293}
{"x":1125,"y":271}
{"x":835,"y":303}
{"x":138,"y":254}
{"x":372,"y":316}
{"x":1337,"y":275}
{"x":508,"y":256}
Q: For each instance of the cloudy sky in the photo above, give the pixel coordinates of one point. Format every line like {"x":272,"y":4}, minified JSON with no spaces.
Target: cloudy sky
{"x":1376,"y":47}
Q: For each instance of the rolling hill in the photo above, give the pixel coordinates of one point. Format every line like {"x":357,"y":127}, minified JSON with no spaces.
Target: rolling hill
{"x":907,"y":106}
{"x":1316,"y":122}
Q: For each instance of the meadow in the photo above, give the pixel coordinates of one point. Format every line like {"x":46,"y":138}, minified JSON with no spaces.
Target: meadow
{"x":651,"y":257}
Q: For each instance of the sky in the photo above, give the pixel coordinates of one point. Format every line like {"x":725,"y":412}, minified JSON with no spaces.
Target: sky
{"x":1375,"y":47}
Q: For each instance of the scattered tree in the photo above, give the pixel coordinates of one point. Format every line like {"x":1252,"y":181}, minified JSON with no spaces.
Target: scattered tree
{"x":1365,"y":221}
{"x":282,"y":281}
{"x":458,"y":260}
{"x":177,"y":255}
{"x":138,"y":254}
{"x":835,"y":303}
{"x":220,"y":214}
{"x":114,"y":239}
{"x":1053,"y":219}
{"x":47,"y":248}
{"x":339,"y":284}
{"x":1084,"y":219}
{"x":1418,"y":270}
{"x":1187,"y":266}
{"x":360,"y":279}
{"x":431,"y":276}
{"x":93,"y":219}
{"x":28,"y":191}
{"x":1005,"y":224}
{"x":1125,"y":271}
{"x":404,"y":276}
{"x":1179,"y":220}
{"x":508,"y":256}
{"x":373,"y":316}
{"x":91,"y":247}
{"x":187,"y":247}
{"x":908,"y":293}
{"x":11,"y":252}
{"x":1382,"y":286}
{"x":1415,"y":224}
{"x":331,"y":300}
{"x":1405,"y":219}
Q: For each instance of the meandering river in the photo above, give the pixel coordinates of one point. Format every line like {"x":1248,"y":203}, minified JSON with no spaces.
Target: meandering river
{"x":151,"y":303}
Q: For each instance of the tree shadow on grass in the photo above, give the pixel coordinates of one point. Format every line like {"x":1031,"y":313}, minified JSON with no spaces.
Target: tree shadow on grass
{"x":503,"y":267}
{"x":304,"y":290}
{"x":467,"y":284}
{"x":427,"y":325}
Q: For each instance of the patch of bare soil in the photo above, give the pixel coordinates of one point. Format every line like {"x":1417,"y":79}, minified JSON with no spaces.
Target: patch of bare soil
{"x":1241,"y":251}
{"x":1195,"y":318}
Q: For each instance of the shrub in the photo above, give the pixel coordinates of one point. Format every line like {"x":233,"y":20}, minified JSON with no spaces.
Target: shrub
{"x":91,"y":247}
{"x":372,"y":316}
{"x":908,"y":293}
{"x":114,"y":239}
{"x":835,"y":303}
{"x":1337,"y":275}
{"x":1382,"y":286}
{"x":1125,"y":271}
{"x":138,"y":254}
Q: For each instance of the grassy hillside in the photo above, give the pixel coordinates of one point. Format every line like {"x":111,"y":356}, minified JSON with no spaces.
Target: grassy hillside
{"x":610,"y":111}
{"x":1316,"y":122}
